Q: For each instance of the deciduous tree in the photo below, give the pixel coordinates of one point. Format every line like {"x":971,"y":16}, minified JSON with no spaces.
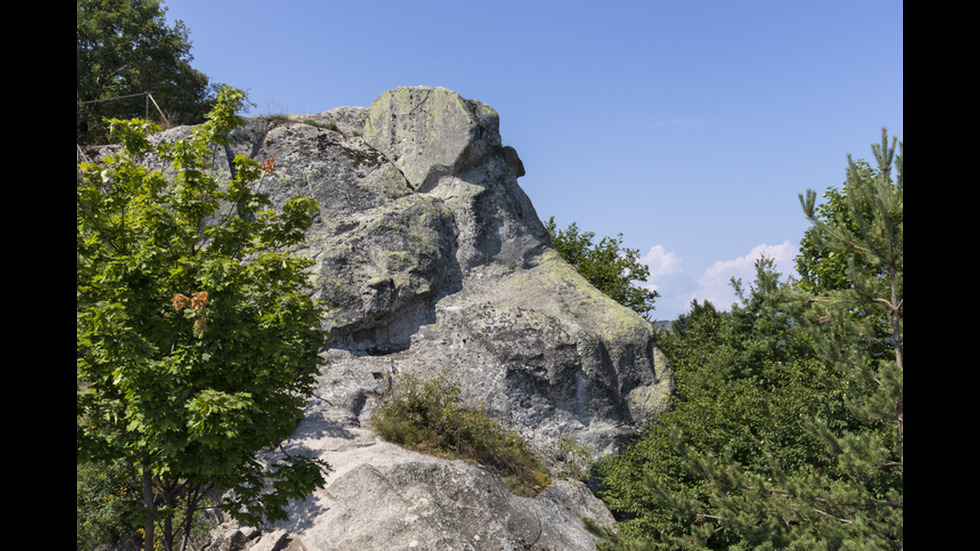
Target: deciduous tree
{"x":197,"y":341}
{"x":125,"y":48}
{"x":607,"y":265}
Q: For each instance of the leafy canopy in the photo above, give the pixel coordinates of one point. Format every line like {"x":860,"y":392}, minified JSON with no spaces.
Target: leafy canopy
{"x":197,"y":342}
{"x":608,"y":266}
{"x":125,"y":48}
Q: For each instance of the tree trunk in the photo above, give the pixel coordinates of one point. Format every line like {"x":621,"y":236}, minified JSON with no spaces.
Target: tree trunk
{"x":149,"y":505}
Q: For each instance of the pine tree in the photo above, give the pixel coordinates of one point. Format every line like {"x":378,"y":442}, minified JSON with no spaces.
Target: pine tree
{"x":745,"y":380}
{"x":861,"y":328}
{"x":852,"y":496}
{"x":789,"y":434}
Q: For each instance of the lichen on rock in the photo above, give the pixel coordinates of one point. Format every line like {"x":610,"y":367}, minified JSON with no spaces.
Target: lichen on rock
{"x":435,"y":262}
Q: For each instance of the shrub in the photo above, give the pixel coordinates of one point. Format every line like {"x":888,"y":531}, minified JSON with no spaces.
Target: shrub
{"x":108,"y":505}
{"x":574,"y":458}
{"x":429,"y":416}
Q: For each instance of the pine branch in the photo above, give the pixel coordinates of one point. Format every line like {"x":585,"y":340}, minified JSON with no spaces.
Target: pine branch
{"x":841,"y":520}
{"x":864,"y":505}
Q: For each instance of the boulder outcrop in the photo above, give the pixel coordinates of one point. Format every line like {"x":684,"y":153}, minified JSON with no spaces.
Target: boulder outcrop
{"x":435,"y":261}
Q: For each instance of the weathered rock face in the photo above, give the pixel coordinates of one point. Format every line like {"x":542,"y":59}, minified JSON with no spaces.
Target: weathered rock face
{"x":435,"y":261}
{"x":385,"y":498}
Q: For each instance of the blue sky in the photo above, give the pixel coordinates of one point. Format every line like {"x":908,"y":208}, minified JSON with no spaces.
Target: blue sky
{"x":688,"y":126}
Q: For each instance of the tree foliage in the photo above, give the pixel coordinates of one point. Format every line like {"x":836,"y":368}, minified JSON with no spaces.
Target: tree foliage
{"x":197,"y":341}
{"x":787,"y":430}
{"x":745,"y":380}
{"x":824,"y":268}
{"x":107,"y":504}
{"x":125,"y":48}
{"x":607,"y":265}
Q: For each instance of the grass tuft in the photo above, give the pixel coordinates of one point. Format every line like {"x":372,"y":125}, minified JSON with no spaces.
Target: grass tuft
{"x":429,"y":416}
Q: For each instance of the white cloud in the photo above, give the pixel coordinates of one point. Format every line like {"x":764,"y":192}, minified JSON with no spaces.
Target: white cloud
{"x":661,"y":262}
{"x":678,"y":288}
{"x":669,"y":279}
{"x":715,"y":283}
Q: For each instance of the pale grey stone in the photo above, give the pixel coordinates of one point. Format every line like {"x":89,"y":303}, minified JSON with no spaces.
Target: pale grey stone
{"x":435,"y":262}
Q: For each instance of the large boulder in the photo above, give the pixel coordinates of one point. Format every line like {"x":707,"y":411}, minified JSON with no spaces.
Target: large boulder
{"x":432,"y":132}
{"x":435,"y":262}
{"x":382,"y":497}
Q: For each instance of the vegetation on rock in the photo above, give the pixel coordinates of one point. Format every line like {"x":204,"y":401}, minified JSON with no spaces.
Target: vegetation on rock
{"x":607,"y":265}
{"x":197,"y":341}
{"x":429,"y":416}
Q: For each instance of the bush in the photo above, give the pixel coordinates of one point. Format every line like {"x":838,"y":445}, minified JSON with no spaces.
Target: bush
{"x":574,"y":459}
{"x":429,"y":416}
{"x":108,"y":505}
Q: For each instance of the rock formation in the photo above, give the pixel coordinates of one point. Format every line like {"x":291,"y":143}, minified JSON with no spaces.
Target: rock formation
{"x":435,"y":261}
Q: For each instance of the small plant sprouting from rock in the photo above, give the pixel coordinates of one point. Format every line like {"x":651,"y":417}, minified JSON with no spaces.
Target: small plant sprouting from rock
{"x":429,"y":416}
{"x":574,"y":458}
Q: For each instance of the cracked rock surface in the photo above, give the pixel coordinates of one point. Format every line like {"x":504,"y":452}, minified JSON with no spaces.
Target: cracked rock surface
{"x":435,"y":262}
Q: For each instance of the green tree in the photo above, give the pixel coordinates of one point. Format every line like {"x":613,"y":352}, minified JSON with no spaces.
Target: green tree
{"x":788,"y":431}
{"x":197,"y":341}
{"x":693,"y":336}
{"x":745,"y":379}
{"x":608,"y":266}
{"x":821,"y":269}
{"x":107,"y":504}
{"x":824,"y":268}
{"x":125,"y":48}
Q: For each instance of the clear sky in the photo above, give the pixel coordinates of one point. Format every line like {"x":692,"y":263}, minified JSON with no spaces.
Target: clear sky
{"x":689,"y":126}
